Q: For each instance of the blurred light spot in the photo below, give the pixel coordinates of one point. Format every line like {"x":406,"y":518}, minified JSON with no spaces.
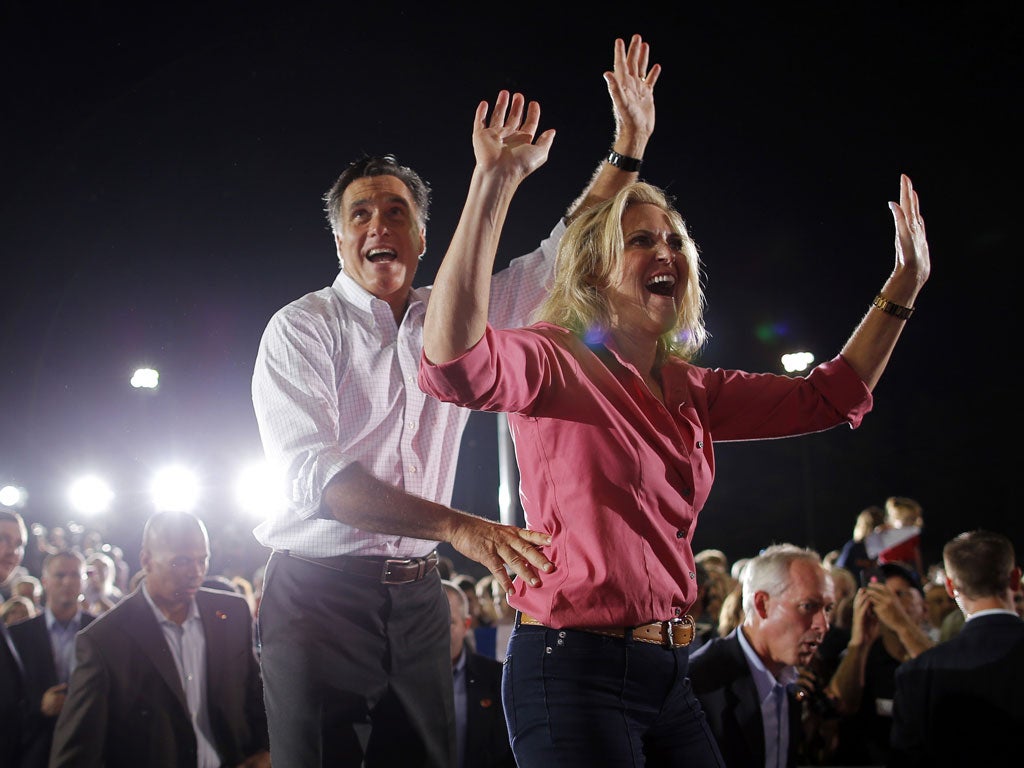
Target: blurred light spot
{"x":90,"y":495}
{"x":797,"y":361}
{"x":146,"y":378}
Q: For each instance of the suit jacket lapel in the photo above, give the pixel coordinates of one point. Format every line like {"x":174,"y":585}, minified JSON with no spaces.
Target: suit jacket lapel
{"x":142,"y":625}
{"x":748,"y":706}
{"x":216,"y":647}
{"x":39,"y":656}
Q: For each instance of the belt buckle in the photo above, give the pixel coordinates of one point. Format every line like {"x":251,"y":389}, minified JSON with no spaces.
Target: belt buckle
{"x":385,"y":573}
{"x":669,"y":628}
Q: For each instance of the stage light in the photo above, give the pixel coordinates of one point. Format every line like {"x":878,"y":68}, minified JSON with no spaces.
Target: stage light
{"x":175,"y":489}
{"x":797,"y":361}
{"x":146,"y":378}
{"x":12,"y":496}
{"x":90,"y":495}
{"x":259,"y":490}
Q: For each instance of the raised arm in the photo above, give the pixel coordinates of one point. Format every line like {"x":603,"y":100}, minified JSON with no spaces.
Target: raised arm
{"x":506,"y":153}
{"x":869,"y":348}
{"x":631,"y":87}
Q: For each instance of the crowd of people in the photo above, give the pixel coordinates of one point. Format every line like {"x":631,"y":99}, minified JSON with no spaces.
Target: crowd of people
{"x":597,"y":636}
{"x":828,"y":649}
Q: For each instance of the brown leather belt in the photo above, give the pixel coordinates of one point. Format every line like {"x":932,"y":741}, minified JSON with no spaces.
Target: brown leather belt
{"x":386,"y":570}
{"x":674,"y":633}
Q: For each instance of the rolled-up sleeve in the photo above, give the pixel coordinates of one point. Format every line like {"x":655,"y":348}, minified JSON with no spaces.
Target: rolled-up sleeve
{"x":295,"y":397}
{"x":505,"y":371}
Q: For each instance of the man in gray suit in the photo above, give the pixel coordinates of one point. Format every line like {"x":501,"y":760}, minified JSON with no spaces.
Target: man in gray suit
{"x":167,"y":677}
{"x":960,"y":703}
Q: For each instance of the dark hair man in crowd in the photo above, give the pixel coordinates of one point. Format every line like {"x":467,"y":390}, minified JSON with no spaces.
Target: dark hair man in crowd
{"x":960,"y":703}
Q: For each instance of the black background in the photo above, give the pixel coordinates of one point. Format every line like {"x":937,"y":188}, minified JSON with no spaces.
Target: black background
{"x":162,"y":175}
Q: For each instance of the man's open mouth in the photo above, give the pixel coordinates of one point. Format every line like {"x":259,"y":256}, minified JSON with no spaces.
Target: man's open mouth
{"x":378,"y":255}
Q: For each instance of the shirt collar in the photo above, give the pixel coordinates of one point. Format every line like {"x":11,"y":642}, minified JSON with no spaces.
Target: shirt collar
{"x":990,"y":612}
{"x":764,"y":680}
{"x":353,"y":293}
{"x":74,"y":622}
{"x":193,"y":609}
{"x":460,"y":664}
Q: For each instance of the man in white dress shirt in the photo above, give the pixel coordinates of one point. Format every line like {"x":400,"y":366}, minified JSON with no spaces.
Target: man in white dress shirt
{"x":354,"y":625}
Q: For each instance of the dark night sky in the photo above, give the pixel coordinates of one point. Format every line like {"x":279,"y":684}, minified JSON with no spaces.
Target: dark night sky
{"x":162,"y":199}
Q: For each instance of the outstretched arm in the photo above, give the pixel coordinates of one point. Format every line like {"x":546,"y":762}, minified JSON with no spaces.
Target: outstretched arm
{"x":631,"y":87}
{"x":869,"y":348}
{"x":505,"y":155}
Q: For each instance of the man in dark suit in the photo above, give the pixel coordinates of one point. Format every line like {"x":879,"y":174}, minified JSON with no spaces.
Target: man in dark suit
{"x":745,"y":680}
{"x":46,"y":644}
{"x":167,"y":677}
{"x":13,"y":535}
{"x":960,"y":703}
{"x":482,"y":735}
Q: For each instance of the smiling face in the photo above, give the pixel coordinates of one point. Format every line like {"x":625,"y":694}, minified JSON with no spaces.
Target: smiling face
{"x":644,"y":294}
{"x":12,"y":545}
{"x":380,"y":240}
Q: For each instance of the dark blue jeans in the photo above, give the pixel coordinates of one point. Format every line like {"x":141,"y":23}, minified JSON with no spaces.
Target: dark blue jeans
{"x":578,"y":699}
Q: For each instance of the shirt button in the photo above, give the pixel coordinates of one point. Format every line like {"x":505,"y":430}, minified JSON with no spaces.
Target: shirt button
{"x":700,"y":443}
{"x":412,"y":470}
{"x":677,"y":611}
{"x":692,"y":575}
{"x":411,"y":425}
{"x":681,"y":534}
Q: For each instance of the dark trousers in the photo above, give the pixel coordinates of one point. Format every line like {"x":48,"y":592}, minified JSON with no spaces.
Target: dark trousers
{"x":355,"y":672}
{"x":580,"y":699}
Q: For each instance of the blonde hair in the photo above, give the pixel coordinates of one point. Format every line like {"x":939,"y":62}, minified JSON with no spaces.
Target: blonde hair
{"x":590,"y":255}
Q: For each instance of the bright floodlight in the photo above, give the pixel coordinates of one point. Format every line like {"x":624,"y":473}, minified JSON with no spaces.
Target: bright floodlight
{"x":797,"y":361}
{"x":146,"y":378}
{"x":12,"y":496}
{"x":175,"y":489}
{"x":90,"y":495}
{"x":259,"y":490}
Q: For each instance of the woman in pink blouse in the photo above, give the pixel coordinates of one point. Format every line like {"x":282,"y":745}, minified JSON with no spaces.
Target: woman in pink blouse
{"x":614,"y":430}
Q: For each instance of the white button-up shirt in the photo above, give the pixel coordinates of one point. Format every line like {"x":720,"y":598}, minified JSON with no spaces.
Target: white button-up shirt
{"x":335,"y":383}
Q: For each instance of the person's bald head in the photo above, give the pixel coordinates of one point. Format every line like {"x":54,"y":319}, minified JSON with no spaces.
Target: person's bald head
{"x":167,"y":528}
